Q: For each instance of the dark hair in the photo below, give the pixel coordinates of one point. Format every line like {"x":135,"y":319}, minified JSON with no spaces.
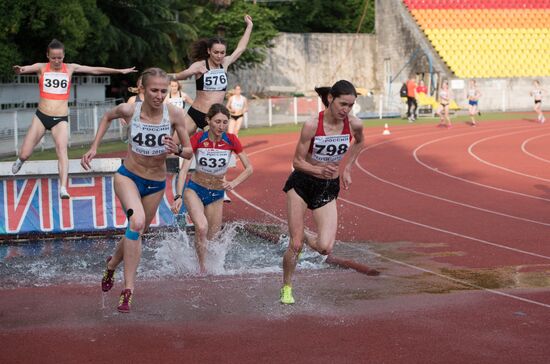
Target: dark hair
{"x":199,"y":49}
{"x":55,"y":44}
{"x":173,"y":79}
{"x":216,"y":109}
{"x":152,"y":72}
{"x":340,"y":88}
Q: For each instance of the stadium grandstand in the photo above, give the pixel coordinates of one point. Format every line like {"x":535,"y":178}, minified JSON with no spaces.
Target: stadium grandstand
{"x":489,"y":38}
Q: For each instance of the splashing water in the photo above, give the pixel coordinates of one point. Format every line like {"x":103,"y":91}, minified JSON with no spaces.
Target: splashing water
{"x":166,"y":254}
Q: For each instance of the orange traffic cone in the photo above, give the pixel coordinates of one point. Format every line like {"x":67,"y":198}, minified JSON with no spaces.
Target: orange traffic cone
{"x":386,"y":130}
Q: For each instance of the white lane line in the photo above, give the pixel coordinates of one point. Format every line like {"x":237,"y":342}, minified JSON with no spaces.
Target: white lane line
{"x":415,"y":155}
{"x":430,"y":227}
{"x":471,"y":152}
{"x":434,"y":196}
{"x":456,"y":280}
{"x":524,"y":149}
{"x":272,"y":147}
{"x":496,"y":292}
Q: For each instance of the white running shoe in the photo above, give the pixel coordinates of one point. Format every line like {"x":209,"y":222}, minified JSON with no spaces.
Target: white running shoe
{"x":226,"y":197}
{"x":16,"y":166}
{"x":63,"y":194}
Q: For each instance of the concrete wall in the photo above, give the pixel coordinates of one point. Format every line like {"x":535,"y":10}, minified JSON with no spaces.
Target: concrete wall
{"x":299,"y":62}
{"x":398,"y":37}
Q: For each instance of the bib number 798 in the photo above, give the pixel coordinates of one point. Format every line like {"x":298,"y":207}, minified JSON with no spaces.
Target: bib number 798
{"x":331,"y":149}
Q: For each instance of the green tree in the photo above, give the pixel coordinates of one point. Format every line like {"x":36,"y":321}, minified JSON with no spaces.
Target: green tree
{"x":145,"y":33}
{"x":29,"y":25}
{"x":228,"y":21}
{"x":323,"y":16}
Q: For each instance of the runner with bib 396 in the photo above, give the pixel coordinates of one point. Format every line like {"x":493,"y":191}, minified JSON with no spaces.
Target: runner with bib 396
{"x":53,"y":107}
{"x":315,"y":182}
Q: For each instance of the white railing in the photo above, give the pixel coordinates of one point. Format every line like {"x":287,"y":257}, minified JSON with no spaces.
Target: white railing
{"x":84,"y":118}
{"x":83,"y":121}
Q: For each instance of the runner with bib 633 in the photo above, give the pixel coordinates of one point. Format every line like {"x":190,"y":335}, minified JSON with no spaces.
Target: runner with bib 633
{"x":203,"y":195}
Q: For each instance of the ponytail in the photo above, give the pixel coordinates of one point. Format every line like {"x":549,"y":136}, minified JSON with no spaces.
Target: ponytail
{"x":340,"y":88}
{"x":199,"y":49}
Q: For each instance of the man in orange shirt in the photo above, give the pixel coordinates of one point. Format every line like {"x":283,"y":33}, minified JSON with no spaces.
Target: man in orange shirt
{"x":411,"y":99}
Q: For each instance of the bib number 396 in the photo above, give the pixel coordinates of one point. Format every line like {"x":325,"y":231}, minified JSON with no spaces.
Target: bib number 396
{"x":56,"y":82}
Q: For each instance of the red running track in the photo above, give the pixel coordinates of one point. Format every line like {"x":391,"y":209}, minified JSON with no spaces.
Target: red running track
{"x":459,"y":198}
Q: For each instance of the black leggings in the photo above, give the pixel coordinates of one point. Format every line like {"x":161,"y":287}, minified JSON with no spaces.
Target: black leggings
{"x":411,"y":101}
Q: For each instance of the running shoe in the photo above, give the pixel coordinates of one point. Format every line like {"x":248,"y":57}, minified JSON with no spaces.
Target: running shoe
{"x":108,"y":280}
{"x":63,"y":194}
{"x":226,"y":197}
{"x":16,"y":166}
{"x":125,"y":301}
{"x":286,"y":295}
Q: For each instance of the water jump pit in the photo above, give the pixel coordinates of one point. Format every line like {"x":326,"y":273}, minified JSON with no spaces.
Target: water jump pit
{"x":241,"y":248}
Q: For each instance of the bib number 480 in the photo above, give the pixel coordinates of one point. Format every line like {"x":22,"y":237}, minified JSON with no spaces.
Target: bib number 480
{"x":150,"y":140}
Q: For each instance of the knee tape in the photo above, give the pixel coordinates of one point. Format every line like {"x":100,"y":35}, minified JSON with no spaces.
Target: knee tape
{"x":131,"y":235}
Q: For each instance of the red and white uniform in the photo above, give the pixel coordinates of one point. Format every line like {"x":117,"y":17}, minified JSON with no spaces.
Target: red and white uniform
{"x":330,"y":148}
{"x":213,"y":157}
{"x":55,"y":85}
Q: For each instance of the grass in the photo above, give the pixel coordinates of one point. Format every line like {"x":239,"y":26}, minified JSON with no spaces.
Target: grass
{"x":118,"y":146}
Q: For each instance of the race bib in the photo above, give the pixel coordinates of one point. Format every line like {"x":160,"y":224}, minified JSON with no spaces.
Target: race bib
{"x":215,"y":80}
{"x":56,"y":83}
{"x":176,"y":101}
{"x":212,"y":161}
{"x":330,"y":148}
{"x":148,"y":139}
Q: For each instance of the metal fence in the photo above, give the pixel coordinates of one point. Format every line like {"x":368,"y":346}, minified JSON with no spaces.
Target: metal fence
{"x":84,"y":118}
{"x":83,"y":121}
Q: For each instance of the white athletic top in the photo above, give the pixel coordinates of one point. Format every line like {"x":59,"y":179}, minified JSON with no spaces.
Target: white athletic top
{"x":177,"y":101}
{"x":147,"y":139}
{"x":237,"y":103}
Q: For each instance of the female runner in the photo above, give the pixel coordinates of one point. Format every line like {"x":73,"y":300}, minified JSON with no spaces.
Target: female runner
{"x":473,"y":101}
{"x":315,"y":182}
{"x":209,"y":67}
{"x":54,"y":81}
{"x":444,"y":100}
{"x":537,"y":94}
{"x":238,"y":106}
{"x":203,"y":195}
{"x":176,"y":97}
{"x":139,"y":183}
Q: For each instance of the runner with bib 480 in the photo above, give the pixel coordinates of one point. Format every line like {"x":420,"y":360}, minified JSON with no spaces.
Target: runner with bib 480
{"x":139,"y":183}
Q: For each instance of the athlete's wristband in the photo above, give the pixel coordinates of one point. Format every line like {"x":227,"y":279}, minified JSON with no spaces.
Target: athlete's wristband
{"x":176,"y":197}
{"x":180,"y":150}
